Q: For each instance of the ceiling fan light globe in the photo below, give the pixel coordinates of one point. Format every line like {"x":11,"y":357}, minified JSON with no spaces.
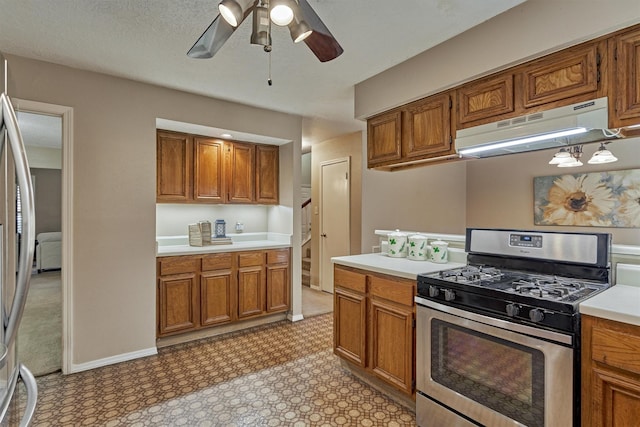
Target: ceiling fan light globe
{"x":231,"y":12}
{"x":300,"y":31}
{"x":281,"y":15}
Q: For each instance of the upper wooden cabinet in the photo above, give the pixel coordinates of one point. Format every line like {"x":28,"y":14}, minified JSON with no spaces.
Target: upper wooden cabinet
{"x":198,"y":169}
{"x":174,"y":170}
{"x":242,"y":174}
{"x":208,"y":170}
{"x":418,"y":131}
{"x":625,"y":50}
{"x":267,"y":174}
{"x":486,"y":98}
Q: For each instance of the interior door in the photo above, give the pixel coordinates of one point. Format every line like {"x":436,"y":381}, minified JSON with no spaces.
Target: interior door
{"x":334,"y":216}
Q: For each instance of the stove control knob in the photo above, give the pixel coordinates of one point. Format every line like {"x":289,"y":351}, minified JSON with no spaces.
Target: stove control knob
{"x":449,"y":295}
{"x":433,"y":291}
{"x":536,"y":315}
{"x":512,"y":310}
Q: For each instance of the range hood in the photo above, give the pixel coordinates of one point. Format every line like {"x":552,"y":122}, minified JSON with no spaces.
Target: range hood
{"x":580,"y":123}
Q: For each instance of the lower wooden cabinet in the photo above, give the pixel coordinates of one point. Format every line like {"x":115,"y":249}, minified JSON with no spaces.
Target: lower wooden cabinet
{"x":198,"y":291}
{"x":374,"y":325}
{"x":610,"y":373}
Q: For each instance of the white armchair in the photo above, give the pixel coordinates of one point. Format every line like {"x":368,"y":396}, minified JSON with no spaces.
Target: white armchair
{"x":49,"y":251}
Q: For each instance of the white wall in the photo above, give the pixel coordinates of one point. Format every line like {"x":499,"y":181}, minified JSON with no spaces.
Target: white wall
{"x":43,"y":157}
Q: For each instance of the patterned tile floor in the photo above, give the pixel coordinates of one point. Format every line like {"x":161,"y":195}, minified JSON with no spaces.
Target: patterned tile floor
{"x":283,"y":374}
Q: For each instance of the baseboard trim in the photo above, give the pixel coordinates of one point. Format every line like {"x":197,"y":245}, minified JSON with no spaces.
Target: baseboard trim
{"x":295,"y":317}
{"x":75,"y":368}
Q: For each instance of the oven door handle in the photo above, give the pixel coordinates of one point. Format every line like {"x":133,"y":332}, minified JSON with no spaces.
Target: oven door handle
{"x":498,"y":323}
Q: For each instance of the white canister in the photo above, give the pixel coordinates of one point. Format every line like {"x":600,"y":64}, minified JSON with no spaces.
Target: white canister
{"x":397,"y":244}
{"x":417,"y":249}
{"x":439,"y":251}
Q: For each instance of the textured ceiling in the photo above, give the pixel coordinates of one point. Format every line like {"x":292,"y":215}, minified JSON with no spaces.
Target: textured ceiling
{"x":147,"y":40}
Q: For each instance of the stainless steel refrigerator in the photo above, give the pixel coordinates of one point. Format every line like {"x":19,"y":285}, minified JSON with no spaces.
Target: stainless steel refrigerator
{"x":17,"y":237}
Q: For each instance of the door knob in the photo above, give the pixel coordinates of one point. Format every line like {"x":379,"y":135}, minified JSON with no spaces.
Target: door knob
{"x":323,"y":234}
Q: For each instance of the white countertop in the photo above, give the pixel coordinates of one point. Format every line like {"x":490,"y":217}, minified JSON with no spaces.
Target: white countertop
{"x":399,"y":267}
{"x":178,"y":245}
{"x":620,"y":303}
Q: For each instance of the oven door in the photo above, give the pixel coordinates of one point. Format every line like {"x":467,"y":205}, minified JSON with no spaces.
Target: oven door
{"x":478,"y":370}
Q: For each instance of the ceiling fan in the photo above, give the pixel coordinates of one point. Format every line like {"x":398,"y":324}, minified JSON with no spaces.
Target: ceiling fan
{"x":302,"y":21}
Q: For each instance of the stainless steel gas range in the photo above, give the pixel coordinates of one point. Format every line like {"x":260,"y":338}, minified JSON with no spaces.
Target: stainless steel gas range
{"x":498,"y":340}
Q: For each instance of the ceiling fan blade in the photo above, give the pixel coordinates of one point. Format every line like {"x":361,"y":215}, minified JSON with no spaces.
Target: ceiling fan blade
{"x":321,"y":41}
{"x":212,"y":39}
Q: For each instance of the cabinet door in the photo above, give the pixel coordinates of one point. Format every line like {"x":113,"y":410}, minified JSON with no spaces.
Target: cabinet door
{"x":349,"y":325}
{"x":562,"y":76}
{"x":217,"y":299}
{"x":384,"y":135}
{"x":392,"y":345}
{"x":251,"y":291}
{"x":427,"y":127}
{"x":267,"y":174}
{"x":627,"y":81}
{"x":173,"y":167}
{"x":208,"y":171}
{"x":177,"y":303}
{"x":615,"y":400}
{"x":277,"y":288}
{"x":241,"y":175}
{"x":480,"y":101}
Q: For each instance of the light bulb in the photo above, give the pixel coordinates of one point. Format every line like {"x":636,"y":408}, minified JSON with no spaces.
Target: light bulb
{"x":282,"y":15}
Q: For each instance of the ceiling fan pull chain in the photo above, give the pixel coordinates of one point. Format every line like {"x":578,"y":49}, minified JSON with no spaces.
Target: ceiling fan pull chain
{"x":269,"y":79}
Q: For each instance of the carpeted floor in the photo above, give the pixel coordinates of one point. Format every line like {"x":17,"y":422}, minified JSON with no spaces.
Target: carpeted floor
{"x":40,"y":332}
{"x":283,"y":374}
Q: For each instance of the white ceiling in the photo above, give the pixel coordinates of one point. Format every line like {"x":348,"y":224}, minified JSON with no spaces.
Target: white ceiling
{"x":147,"y":40}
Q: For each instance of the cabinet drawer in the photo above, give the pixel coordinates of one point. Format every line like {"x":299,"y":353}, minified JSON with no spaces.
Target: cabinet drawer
{"x":177,"y":265}
{"x":249,"y":259}
{"x":350,"y":280}
{"x":395,"y":290}
{"x":616,"y":349}
{"x":278,"y":257}
{"x":217,"y":262}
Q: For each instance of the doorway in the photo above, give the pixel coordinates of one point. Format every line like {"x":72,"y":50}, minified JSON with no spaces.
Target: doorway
{"x":54,"y":275}
{"x":335,"y":230}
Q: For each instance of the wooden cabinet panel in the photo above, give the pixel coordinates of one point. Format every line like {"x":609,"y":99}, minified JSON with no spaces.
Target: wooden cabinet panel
{"x":561,"y":76}
{"x":350,"y":279}
{"x":241,"y":173}
{"x":486,"y":98}
{"x":610,"y":373}
{"x":178,"y":264}
{"x":173,"y":167}
{"x":394,"y":289}
{"x":217,"y":300}
{"x":217,"y":261}
{"x":349,"y":325}
{"x":384,"y":134}
{"x":177,"y":303}
{"x":278,"y":256}
{"x":392,"y":346}
{"x":251,"y":291}
{"x":267,"y":174}
{"x":248,"y":259}
{"x":277,"y":288}
{"x":626,"y":69}
{"x":427,"y":127}
{"x":208,"y":170}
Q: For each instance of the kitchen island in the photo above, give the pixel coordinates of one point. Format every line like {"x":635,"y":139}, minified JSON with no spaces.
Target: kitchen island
{"x":374,"y":319}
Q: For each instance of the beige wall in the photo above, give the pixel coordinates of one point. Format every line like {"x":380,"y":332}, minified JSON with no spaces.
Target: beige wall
{"x":48,"y":199}
{"x":114,"y":191}
{"x":345,"y":146}
{"x":500,"y":189}
{"x":427,"y":198}
{"x":531,"y":29}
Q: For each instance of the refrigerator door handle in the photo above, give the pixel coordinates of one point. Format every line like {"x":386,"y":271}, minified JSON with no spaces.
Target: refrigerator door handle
{"x":27,"y":243}
{"x":32,"y":395}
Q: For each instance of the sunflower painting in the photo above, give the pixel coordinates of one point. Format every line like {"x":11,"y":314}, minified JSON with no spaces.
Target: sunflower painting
{"x":598,"y":199}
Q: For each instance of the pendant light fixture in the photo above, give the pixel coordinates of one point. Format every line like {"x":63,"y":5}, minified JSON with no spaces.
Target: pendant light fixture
{"x":570,"y":157}
{"x":602,"y":156}
{"x":233,"y":11}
